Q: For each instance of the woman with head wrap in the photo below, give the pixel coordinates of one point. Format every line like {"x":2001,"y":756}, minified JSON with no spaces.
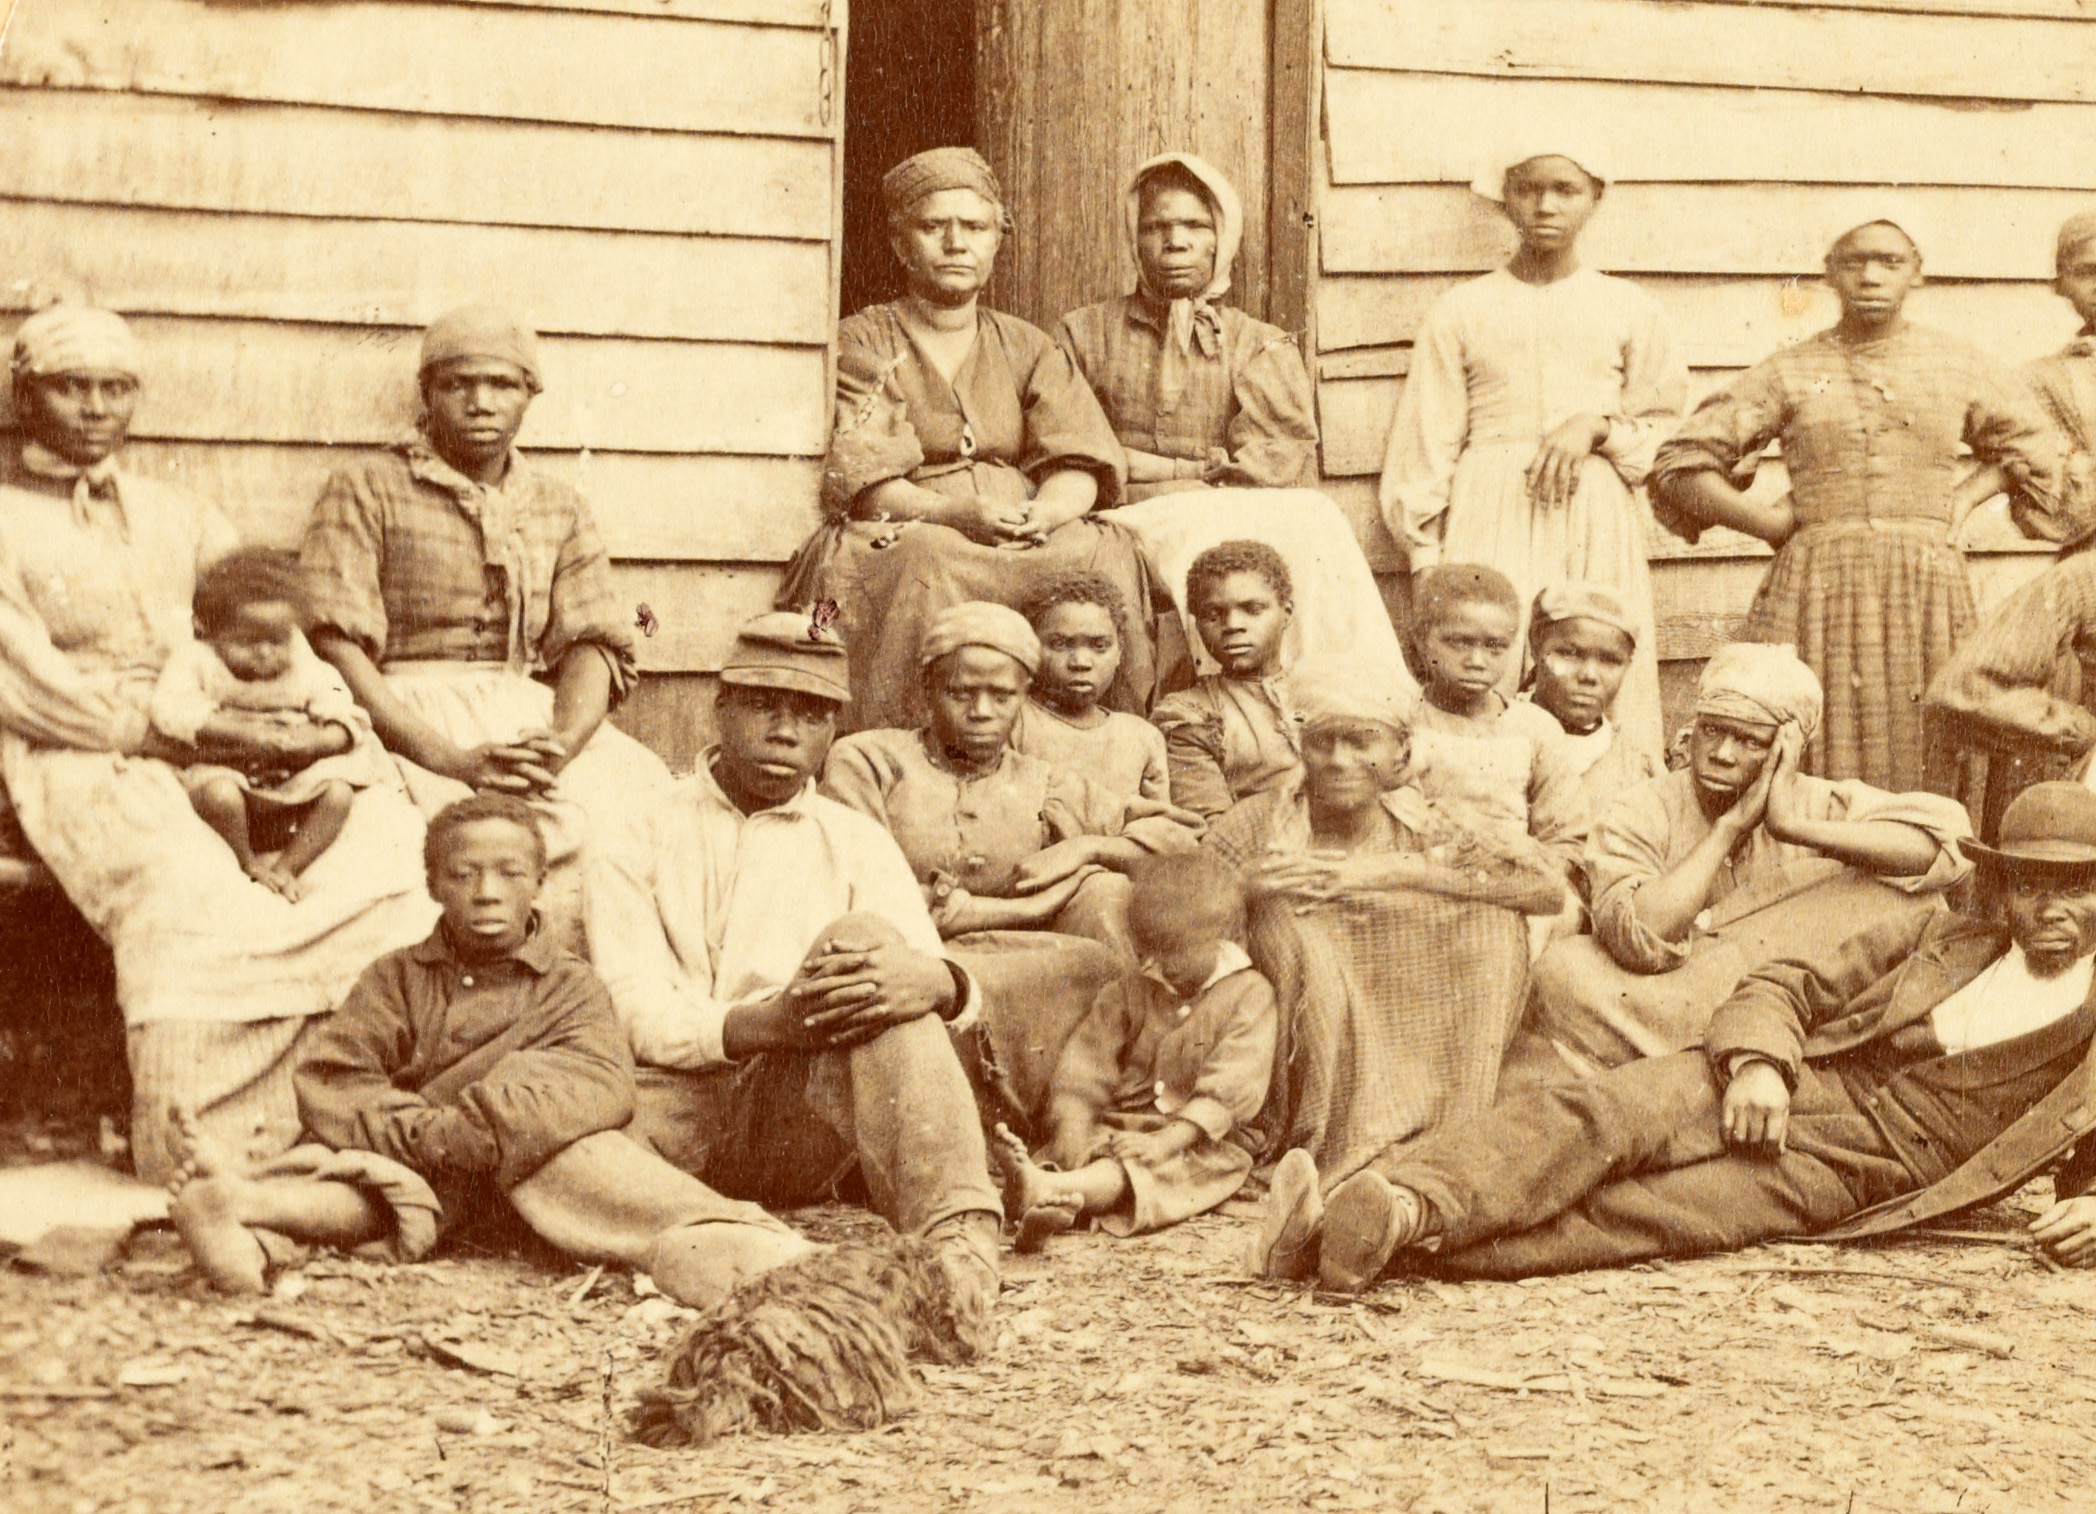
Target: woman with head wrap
{"x":218,"y":977}
{"x":1582,"y":639}
{"x":467,"y":599}
{"x":1867,"y":584}
{"x":1214,"y":409}
{"x":1535,"y":400}
{"x":967,"y":460}
{"x":1698,"y":876}
{"x":1020,"y":860}
{"x":1392,"y":935}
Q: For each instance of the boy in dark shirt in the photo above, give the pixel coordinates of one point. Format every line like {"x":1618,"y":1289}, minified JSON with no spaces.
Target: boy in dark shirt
{"x":484,"y":1060}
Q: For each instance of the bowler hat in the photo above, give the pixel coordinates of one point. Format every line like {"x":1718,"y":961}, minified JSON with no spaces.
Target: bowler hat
{"x":2049,"y":827}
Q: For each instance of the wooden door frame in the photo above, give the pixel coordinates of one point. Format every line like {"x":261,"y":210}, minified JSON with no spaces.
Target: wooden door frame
{"x":1295,"y":38}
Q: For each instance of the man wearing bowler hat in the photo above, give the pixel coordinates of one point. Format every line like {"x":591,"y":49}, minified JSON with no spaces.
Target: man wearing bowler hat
{"x":1926,"y":1065}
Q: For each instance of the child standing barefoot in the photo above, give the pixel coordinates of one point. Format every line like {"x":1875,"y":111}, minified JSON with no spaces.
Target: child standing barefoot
{"x":251,"y":657}
{"x":1480,"y":757}
{"x":1232,"y":734}
{"x":1581,"y":639}
{"x":1150,"y":1108}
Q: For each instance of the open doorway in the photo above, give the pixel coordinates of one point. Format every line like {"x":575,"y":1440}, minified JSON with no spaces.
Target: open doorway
{"x":909,"y":84}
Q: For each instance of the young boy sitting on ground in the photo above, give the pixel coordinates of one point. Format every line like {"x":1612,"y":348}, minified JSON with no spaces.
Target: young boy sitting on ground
{"x":482,"y":1064}
{"x":1150,"y":1108}
{"x":250,"y":656}
{"x":1232,"y":734}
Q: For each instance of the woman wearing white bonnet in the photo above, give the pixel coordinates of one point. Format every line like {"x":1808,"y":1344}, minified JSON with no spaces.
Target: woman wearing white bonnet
{"x":216,"y":975}
{"x":1215,"y":412}
{"x":1536,"y":399}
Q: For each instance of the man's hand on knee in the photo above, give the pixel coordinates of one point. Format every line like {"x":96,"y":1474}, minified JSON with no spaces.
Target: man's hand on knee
{"x":854,"y":993}
{"x":1757,"y":1109}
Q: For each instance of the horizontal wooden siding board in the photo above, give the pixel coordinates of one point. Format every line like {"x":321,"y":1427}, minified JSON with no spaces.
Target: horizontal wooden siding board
{"x":1750,"y":46}
{"x":695,"y":609}
{"x":1719,"y":322}
{"x":299,"y":268}
{"x":647,"y":505}
{"x":261,"y":381}
{"x":1746,"y":229}
{"x":512,"y":63}
{"x":90,"y":148}
{"x":1401,"y":128}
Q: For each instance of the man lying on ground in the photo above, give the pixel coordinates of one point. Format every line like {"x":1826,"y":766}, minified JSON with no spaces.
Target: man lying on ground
{"x":1926,"y":1065}
{"x":484,"y":1063}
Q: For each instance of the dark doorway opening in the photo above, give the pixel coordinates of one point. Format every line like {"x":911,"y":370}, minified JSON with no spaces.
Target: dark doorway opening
{"x":909,"y":84}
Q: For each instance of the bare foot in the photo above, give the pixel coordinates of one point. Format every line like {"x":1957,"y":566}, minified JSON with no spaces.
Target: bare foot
{"x":1033,"y":1196}
{"x":271,"y":876}
{"x":194,"y":1154}
{"x":207,"y":1213}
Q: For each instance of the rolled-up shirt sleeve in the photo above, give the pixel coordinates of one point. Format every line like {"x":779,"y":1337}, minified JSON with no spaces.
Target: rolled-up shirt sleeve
{"x":1945,"y":821}
{"x":2012,"y":678}
{"x":583,"y":606}
{"x":1626,"y":850}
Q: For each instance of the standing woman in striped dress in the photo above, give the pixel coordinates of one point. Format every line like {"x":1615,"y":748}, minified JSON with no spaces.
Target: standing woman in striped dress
{"x":1866,"y":585}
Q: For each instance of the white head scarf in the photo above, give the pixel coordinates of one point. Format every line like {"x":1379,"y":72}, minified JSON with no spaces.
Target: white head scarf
{"x":1548,"y":142}
{"x":1191,"y":320}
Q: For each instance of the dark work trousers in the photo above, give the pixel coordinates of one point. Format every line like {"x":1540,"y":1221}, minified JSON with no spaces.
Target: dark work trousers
{"x":1632,"y":1165}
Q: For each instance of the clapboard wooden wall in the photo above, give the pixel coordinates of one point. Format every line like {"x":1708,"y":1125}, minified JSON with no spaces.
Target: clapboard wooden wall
{"x":280,"y":195}
{"x":1072,"y":94}
{"x":1743,"y":135}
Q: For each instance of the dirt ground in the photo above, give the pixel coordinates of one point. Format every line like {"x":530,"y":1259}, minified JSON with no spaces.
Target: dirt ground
{"x":1128,"y":1376}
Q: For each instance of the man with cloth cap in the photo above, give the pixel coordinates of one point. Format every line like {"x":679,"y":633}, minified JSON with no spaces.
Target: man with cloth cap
{"x":1697,"y":876}
{"x":788,"y":998}
{"x":1930,"y":1063}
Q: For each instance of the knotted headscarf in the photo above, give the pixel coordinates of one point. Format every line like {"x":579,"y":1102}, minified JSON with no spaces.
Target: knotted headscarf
{"x":939,"y":168}
{"x":1580,"y":601}
{"x":480,"y":331}
{"x":2076,"y":232}
{"x":1558,"y":141}
{"x":1332,"y":688}
{"x":73,"y":338}
{"x":1192,"y":320}
{"x":1761,"y":683}
{"x":981,"y":623}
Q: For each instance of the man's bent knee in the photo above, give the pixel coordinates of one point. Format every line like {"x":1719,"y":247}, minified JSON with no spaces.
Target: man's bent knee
{"x":858,"y":931}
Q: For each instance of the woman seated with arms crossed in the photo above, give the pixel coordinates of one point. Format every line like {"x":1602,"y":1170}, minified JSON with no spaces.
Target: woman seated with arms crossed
{"x":1700,"y":876}
{"x":1393,"y":938}
{"x":467,"y":599}
{"x":1215,"y":411}
{"x":968,"y":456}
{"x":1020,"y":860}
{"x":218,"y":977}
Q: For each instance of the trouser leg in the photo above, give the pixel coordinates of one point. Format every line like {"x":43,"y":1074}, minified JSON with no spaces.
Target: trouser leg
{"x":1530,"y":1158}
{"x":1658,"y":1181}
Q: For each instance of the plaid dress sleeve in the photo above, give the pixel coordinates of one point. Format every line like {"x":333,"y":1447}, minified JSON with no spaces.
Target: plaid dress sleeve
{"x":339,"y":561}
{"x":583,"y":605}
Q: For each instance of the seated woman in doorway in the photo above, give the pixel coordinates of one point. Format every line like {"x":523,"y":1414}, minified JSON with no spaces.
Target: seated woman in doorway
{"x":1020,"y":860}
{"x":1698,"y":877}
{"x":218,"y":977}
{"x":968,"y":461}
{"x":1393,"y":938}
{"x":467,"y":599}
{"x":1214,"y":409}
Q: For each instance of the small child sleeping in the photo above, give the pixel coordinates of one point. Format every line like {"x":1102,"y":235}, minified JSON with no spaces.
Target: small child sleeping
{"x":1151,"y":1105}
{"x":249,"y":656}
